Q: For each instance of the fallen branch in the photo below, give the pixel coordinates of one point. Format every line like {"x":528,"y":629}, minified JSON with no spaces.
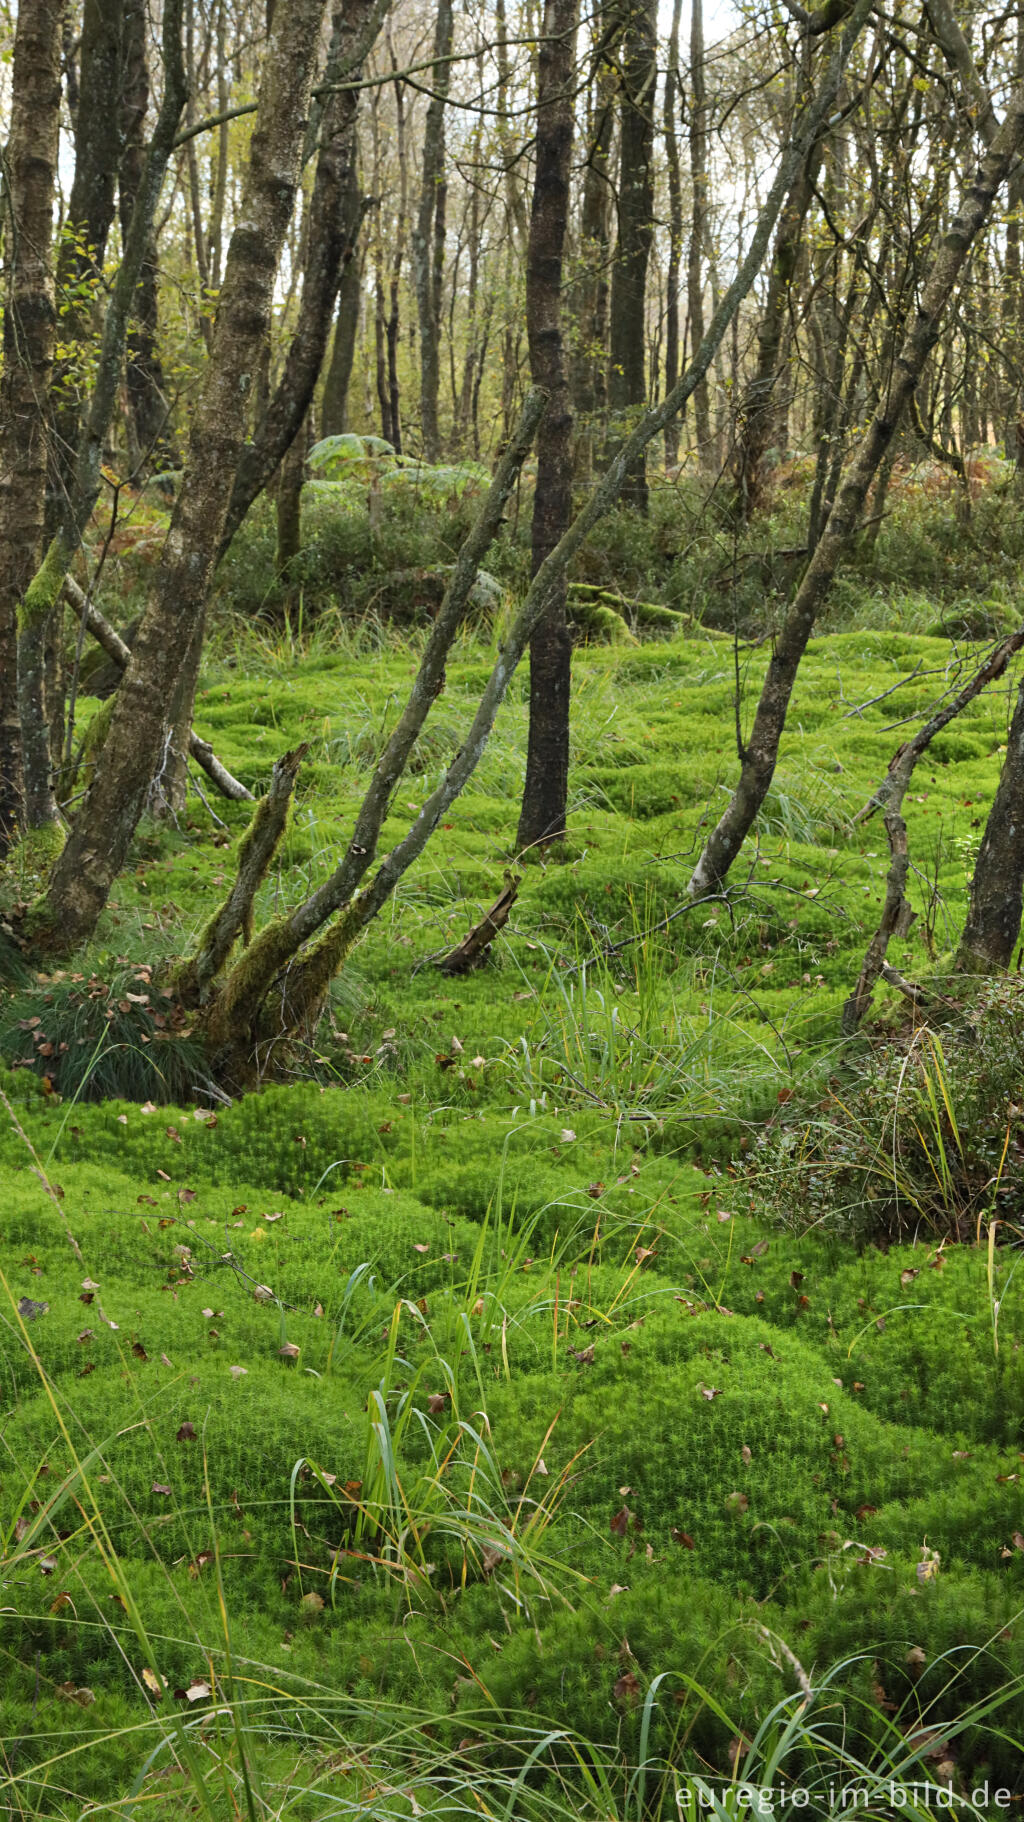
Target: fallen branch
{"x":473,"y":947}
{"x":115,"y":648}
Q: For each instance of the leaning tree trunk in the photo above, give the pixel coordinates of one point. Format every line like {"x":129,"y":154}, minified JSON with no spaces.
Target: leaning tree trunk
{"x":627,"y":372}
{"x":429,"y":231}
{"x":146,"y":703}
{"x":994,"y":911}
{"x":545,"y":792}
{"x":30,"y":170}
{"x":761,"y":751}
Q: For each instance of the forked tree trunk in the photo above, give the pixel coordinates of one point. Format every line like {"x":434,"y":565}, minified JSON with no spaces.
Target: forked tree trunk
{"x":761,"y":751}
{"x":994,"y":911}
{"x":545,"y":792}
{"x":30,"y":169}
{"x":428,"y":233}
{"x":146,"y":702}
{"x":627,"y":370}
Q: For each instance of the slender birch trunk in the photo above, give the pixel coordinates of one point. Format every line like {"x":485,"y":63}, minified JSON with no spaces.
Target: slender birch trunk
{"x":428,"y":233}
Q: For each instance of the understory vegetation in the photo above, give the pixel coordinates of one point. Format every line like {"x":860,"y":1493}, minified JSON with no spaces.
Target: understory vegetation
{"x":578,"y":1378}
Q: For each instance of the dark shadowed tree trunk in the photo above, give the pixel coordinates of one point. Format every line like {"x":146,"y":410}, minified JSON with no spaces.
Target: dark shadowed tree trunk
{"x":761,"y":751}
{"x":428,"y":233}
{"x":542,"y":817}
{"x":334,"y":405}
{"x":146,"y":703}
{"x":994,"y":911}
{"x":627,"y":371}
{"x":30,"y":170}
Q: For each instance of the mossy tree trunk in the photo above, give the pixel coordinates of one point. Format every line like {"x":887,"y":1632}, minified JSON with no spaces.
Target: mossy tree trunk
{"x":147,"y":700}
{"x":28,"y":340}
{"x":545,"y":792}
{"x":761,"y":750}
{"x":590,"y":356}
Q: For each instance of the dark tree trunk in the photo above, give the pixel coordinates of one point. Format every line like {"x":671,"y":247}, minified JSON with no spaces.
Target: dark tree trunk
{"x":994,"y":912}
{"x":627,"y":373}
{"x":334,"y":405}
{"x":542,"y":817}
{"x":30,"y":171}
{"x":428,"y":233}
{"x":147,"y":702}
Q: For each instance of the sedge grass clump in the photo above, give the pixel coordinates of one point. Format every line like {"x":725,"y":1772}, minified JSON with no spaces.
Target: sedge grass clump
{"x":924,"y":1134}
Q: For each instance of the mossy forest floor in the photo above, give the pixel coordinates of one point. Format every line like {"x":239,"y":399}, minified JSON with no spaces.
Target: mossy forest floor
{"x":466,"y":1389}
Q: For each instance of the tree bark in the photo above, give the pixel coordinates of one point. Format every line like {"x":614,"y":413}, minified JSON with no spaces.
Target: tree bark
{"x":698,"y":221}
{"x":545,"y":792}
{"x":144,"y":375}
{"x":428,"y":233}
{"x":627,"y":372}
{"x":675,"y":230}
{"x":994,"y":910}
{"x":146,"y":703}
{"x":334,"y":404}
{"x":335,"y":213}
{"x":761,"y":752}
{"x":28,"y":342}
{"x":590,"y":361}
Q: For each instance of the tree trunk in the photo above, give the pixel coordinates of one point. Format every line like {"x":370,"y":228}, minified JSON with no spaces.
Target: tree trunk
{"x":994,"y":911}
{"x":428,"y":233}
{"x":542,"y":817}
{"x":760,"y":409}
{"x":698,"y":221}
{"x":89,"y":218}
{"x":675,"y":231}
{"x":627,"y":373}
{"x":334,"y":404}
{"x":144,"y":375}
{"x":335,"y":213}
{"x":30,"y":171}
{"x":761,"y":752}
{"x":145,"y":706}
{"x":590,"y":362}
